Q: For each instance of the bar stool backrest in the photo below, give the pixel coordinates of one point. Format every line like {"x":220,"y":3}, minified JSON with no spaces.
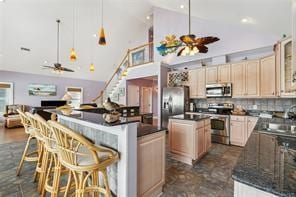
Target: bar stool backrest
{"x":46,"y":133}
{"x":34,"y":124}
{"x":70,"y":145}
{"x":25,"y":121}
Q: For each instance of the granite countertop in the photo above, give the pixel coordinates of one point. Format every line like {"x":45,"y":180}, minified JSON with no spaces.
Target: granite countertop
{"x":190,"y":117}
{"x":92,"y":117}
{"x":147,"y":129}
{"x":265,"y":164}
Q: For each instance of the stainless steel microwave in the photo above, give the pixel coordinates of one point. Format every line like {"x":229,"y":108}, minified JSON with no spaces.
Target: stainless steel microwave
{"x":219,"y":90}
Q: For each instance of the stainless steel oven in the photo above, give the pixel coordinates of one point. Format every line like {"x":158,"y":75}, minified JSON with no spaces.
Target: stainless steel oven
{"x":219,"y":90}
{"x":220,"y":128}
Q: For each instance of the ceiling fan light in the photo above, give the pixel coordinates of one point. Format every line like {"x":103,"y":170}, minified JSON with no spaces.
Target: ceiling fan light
{"x":184,"y":53}
{"x":73,"y":56}
{"x":187,"y":49}
{"x":195,"y":49}
{"x":191,"y":53}
{"x":92,"y":67}
{"x":102,"y":38}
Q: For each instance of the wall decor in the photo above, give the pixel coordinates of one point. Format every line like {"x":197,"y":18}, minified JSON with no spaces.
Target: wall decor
{"x":121,"y":91}
{"x":115,"y":97}
{"x":42,"y":90}
{"x":138,"y":57}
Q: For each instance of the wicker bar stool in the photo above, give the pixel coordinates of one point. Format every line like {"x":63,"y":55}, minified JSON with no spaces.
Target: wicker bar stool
{"x":84,"y":159}
{"x":40,"y":169}
{"x":51,"y":163}
{"x":33,"y":156}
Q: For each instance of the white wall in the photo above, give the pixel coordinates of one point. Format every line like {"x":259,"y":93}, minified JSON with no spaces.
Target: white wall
{"x":232,"y":38}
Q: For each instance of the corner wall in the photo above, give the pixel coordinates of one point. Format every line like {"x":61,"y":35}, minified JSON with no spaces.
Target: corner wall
{"x":21,"y":81}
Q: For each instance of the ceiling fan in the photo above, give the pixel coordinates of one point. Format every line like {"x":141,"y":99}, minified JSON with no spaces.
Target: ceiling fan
{"x":57,"y":67}
{"x":190,"y":43}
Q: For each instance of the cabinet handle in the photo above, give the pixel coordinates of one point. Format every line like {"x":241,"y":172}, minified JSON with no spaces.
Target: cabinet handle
{"x":272,"y":93}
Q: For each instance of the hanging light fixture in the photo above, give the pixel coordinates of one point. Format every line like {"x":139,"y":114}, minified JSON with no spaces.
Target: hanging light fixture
{"x":92,"y":67}
{"x":73,"y":55}
{"x":102,"y":38}
{"x":190,"y":44}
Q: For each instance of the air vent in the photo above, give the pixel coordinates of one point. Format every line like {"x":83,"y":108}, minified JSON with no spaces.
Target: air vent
{"x":25,"y":49}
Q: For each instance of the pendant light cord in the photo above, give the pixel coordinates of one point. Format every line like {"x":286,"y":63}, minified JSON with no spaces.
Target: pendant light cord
{"x":74,"y":14}
{"x":189,"y":17}
{"x":58,"y":40}
{"x":102,"y":10}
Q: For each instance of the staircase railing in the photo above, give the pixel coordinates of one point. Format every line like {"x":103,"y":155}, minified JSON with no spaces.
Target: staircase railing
{"x":137,"y":56}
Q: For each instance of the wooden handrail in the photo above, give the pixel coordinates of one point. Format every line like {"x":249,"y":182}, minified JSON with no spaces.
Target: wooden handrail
{"x":127,"y":55}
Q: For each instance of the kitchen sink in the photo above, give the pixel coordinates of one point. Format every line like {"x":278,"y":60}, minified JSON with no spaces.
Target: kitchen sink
{"x":279,"y":129}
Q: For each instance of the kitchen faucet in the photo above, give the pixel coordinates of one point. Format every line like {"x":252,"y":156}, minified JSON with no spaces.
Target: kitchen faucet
{"x":287,"y":112}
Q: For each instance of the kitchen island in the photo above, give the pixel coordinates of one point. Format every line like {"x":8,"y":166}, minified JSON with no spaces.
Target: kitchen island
{"x":140,"y":170}
{"x":267,"y":164}
{"x":189,"y":137}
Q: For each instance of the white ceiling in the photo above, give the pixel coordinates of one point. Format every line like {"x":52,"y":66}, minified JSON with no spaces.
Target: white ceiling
{"x":31,"y":24}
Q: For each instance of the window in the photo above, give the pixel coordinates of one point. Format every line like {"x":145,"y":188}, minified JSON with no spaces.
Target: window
{"x":77,"y":96}
{"x":6,"y":95}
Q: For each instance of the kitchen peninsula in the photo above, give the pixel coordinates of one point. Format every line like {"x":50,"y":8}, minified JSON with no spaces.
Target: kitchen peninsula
{"x":189,"y":137}
{"x":141,"y":168}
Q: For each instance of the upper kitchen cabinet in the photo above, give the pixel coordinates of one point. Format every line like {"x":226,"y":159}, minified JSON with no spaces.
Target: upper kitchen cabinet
{"x":212,"y":75}
{"x":268,"y":77}
{"x":197,"y":83}
{"x":284,"y":62}
{"x":245,"y":79}
{"x":218,"y":74}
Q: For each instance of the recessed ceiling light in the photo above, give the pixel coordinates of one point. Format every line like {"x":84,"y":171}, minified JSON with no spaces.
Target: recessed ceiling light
{"x":182,"y":6}
{"x":94,"y":35}
{"x":148,"y":17}
{"x":244,"y":20}
{"x":2,"y":0}
{"x":45,"y":62}
{"x":247,"y":20}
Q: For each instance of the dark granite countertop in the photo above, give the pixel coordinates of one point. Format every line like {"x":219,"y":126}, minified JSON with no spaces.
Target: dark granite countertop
{"x":147,"y":129}
{"x":265,"y":164}
{"x":92,"y":117}
{"x":190,"y":117}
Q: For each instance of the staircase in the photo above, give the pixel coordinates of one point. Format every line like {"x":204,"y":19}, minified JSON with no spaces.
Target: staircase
{"x":133,"y":57}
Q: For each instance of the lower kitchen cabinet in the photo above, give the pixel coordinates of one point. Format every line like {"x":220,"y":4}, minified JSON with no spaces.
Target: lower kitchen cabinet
{"x":243,"y":190}
{"x":241,"y":128}
{"x":151,"y":164}
{"x":189,"y":140}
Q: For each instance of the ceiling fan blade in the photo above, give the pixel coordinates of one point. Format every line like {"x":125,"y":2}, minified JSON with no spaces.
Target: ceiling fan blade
{"x":202,"y":48}
{"x":206,"y":40}
{"x":180,"y":52}
{"x":66,"y":69}
{"x":48,"y":67}
{"x":188,"y":39}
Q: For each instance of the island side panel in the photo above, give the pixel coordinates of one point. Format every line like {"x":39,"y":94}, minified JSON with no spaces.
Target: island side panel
{"x":123,"y":138}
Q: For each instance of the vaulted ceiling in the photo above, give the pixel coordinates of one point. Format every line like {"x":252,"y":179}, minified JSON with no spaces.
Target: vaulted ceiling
{"x":31,"y":24}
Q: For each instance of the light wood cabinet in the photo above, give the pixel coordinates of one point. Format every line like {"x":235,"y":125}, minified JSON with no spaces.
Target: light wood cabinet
{"x":243,"y":190}
{"x":237,"y":130}
{"x":151,"y":164}
{"x":268,"y":77}
{"x":250,"y":123}
{"x":218,"y":74}
{"x":246,"y":79}
{"x":212,"y":75}
{"x":189,"y":140}
{"x":197,"y":83}
{"x":238,"y":80}
{"x":252,"y":71}
{"x":224,"y":74}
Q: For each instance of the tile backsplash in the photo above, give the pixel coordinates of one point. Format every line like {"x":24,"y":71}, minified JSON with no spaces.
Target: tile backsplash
{"x":271,"y":104}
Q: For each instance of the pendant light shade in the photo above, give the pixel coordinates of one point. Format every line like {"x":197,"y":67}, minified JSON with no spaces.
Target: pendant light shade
{"x":73,"y":56}
{"x":92,"y":67}
{"x":102,"y":38}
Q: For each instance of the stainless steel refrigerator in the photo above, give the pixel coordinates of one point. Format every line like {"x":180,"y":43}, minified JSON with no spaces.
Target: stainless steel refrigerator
{"x":175,"y":100}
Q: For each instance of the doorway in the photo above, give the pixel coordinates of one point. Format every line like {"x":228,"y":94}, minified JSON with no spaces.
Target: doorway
{"x":146,"y":100}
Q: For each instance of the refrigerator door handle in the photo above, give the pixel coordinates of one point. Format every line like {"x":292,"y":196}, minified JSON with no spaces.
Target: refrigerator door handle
{"x":170,"y":103}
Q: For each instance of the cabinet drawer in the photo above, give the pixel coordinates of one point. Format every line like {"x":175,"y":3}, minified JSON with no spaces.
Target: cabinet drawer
{"x":207,"y":122}
{"x":238,"y":118}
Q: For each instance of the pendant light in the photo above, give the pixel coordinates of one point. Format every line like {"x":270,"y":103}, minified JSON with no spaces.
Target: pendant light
{"x":92,"y":67}
{"x":102,"y":38}
{"x":73,"y":55}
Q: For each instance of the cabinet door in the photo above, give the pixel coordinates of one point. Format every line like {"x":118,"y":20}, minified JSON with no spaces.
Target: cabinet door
{"x":201,"y":83}
{"x":224,"y":73}
{"x":212,"y":75}
{"x":193,"y":83}
{"x":268,"y":76}
{"x":238,"y":79}
{"x":208,"y":137}
{"x":200,"y":139}
{"x":181,"y":138}
{"x":237,"y":133}
{"x":252,"y":77}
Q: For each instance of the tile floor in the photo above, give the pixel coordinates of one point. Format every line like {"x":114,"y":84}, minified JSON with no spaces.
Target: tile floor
{"x":211,"y":176}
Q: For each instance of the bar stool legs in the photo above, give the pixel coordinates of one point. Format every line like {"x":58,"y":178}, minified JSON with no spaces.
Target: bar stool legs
{"x":27,"y":156}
